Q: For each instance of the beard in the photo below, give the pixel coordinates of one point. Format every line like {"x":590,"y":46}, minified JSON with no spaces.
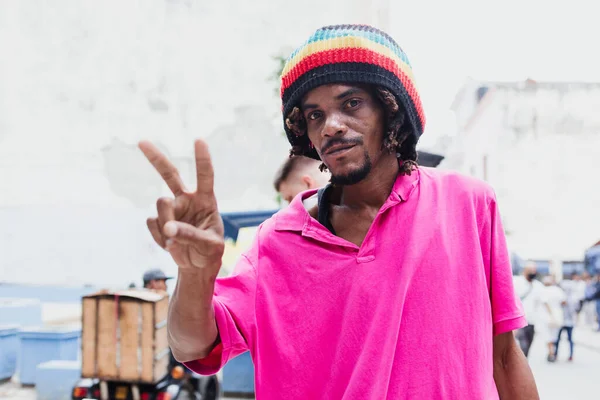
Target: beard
{"x":354,"y":176}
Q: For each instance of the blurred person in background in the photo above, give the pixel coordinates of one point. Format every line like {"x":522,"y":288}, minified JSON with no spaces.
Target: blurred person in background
{"x":155,"y":279}
{"x":588,"y":309}
{"x":553,"y":300}
{"x":298,"y":174}
{"x":572,"y":291}
{"x":596,"y":295}
{"x":531,"y":292}
{"x":580,"y":284}
{"x":592,"y":297}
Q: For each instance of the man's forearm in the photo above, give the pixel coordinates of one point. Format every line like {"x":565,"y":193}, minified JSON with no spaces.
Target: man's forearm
{"x":192,"y":329}
{"x":513,"y":376}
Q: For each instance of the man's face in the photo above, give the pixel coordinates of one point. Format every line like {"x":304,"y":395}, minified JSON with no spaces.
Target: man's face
{"x":345,"y":125}
{"x":158,"y":284}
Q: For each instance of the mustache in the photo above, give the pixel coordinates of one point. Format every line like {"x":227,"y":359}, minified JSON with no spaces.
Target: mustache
{"x":340,"y":141}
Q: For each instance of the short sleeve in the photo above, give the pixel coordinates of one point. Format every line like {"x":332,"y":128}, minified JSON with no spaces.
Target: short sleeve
{"x":507,"y":310}
{"x":233,"y":304}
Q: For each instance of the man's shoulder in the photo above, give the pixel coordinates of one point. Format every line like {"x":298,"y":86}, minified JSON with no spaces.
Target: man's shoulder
{"x":452,"y":182}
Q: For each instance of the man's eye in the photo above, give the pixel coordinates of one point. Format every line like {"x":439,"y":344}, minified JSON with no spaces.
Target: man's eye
{"x":314,"y":115}
{"x":352,"y":103}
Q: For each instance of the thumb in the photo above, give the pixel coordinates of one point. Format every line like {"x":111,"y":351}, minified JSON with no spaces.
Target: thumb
{"x":204,"y":241}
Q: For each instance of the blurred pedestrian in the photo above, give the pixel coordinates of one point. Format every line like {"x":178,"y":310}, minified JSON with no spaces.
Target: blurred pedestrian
{"x":553,"y":300}
{"x":298,"y":174}
{"x":588,"y":308}
{"x":594,"y":296}
{"x":155,"y":279}
{"x":571,"y":290}
{"x":531,"y":292}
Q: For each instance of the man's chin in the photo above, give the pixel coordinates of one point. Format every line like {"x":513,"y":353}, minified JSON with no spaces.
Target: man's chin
{"x":350,"y":178}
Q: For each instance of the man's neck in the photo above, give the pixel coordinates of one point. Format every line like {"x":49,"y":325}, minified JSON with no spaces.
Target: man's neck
{"x":372,"y":191}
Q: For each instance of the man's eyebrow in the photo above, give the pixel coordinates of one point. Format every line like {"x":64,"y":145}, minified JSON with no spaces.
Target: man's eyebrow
{"x":349,"y":92}
{"x":308,"y":106}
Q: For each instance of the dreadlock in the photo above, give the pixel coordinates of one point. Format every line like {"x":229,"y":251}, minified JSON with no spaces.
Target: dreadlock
{"x":398,"y":137}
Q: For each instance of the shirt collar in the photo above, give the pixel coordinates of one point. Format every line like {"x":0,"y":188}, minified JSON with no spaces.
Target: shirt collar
{"x":296,"y":218}
{"x":406,"y":184}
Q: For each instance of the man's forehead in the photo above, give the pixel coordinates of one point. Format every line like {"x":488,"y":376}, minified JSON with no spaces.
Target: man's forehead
{"x":333,"y":90}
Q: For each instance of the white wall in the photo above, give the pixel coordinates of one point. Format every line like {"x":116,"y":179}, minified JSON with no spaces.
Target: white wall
{"x":82,"y":82}
{"x":542,"y":146}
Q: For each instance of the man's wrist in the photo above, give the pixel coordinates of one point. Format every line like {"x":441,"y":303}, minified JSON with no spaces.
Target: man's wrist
{"x":203,"y":276}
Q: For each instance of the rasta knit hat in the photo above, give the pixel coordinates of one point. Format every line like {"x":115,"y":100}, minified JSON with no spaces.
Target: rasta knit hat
{"x":349,"y":54}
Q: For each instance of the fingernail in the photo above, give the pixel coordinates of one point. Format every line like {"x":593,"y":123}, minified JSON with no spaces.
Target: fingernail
{"x":170,"y":229}
{"x":168,"y":243}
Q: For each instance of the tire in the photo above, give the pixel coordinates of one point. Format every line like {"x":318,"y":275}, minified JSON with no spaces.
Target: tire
{"x":212,"y":390}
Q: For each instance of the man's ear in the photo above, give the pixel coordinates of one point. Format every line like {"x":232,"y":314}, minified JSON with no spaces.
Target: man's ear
{"x":308,"y":181}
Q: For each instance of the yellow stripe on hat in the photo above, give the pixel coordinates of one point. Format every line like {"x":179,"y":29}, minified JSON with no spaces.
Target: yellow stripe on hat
{"x":347,"y":42}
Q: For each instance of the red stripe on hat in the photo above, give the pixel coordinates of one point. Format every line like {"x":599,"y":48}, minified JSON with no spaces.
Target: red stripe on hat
{"x":355,"y":55}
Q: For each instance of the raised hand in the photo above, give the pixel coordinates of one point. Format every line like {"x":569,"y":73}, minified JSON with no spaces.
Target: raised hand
{"x":189,"y":225}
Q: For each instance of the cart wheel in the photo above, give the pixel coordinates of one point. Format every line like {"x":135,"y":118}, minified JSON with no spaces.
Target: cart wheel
{"x":212,"y":390}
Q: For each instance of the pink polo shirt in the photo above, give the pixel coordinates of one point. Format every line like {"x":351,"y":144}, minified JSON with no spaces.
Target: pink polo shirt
{"x":408,"y":315}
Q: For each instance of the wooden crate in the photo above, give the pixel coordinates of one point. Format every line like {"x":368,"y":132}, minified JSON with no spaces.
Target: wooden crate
{"x":124,"y":336}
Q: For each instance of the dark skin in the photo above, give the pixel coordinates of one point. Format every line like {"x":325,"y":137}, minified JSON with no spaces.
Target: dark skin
{"x":354,"y":114}
{"x":350,"y":114}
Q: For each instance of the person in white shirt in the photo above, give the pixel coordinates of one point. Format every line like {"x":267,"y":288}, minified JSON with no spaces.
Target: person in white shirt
{"x":530,"y":291}
{"x":574,"y":295}
{"x":553,"y":299}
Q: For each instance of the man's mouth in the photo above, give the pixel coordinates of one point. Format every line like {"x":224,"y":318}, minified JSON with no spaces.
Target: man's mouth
{"x":335,"y":149}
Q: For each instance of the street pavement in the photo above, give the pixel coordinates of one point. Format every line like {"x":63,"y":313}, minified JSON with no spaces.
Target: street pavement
{"x":564,"y":380}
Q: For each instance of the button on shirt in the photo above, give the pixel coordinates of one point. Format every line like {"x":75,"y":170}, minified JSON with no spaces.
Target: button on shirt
{"x":410,"y":314}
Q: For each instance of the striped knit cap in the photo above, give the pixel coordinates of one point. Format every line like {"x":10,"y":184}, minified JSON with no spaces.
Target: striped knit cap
{"x":349,"y":54}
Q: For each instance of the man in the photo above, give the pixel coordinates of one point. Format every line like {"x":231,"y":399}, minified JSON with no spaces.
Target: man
{"x":298,"y":174}
{"x":531,"y":292}
{"x":156,"y":279}
{"x":372,"y":292}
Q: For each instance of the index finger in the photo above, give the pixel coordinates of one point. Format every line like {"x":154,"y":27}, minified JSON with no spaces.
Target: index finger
{"x":204,"y":170}
{"x":165,"y":168}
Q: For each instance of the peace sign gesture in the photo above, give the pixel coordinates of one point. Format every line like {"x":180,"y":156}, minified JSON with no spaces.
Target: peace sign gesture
{"x":189,"y":225}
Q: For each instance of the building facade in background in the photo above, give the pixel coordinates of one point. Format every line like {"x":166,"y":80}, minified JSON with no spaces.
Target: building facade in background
{"x":537,"y":144}
{"x":83,"y":82}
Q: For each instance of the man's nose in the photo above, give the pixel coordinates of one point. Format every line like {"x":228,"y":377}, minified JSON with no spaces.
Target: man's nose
{"x":334,"y":125}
